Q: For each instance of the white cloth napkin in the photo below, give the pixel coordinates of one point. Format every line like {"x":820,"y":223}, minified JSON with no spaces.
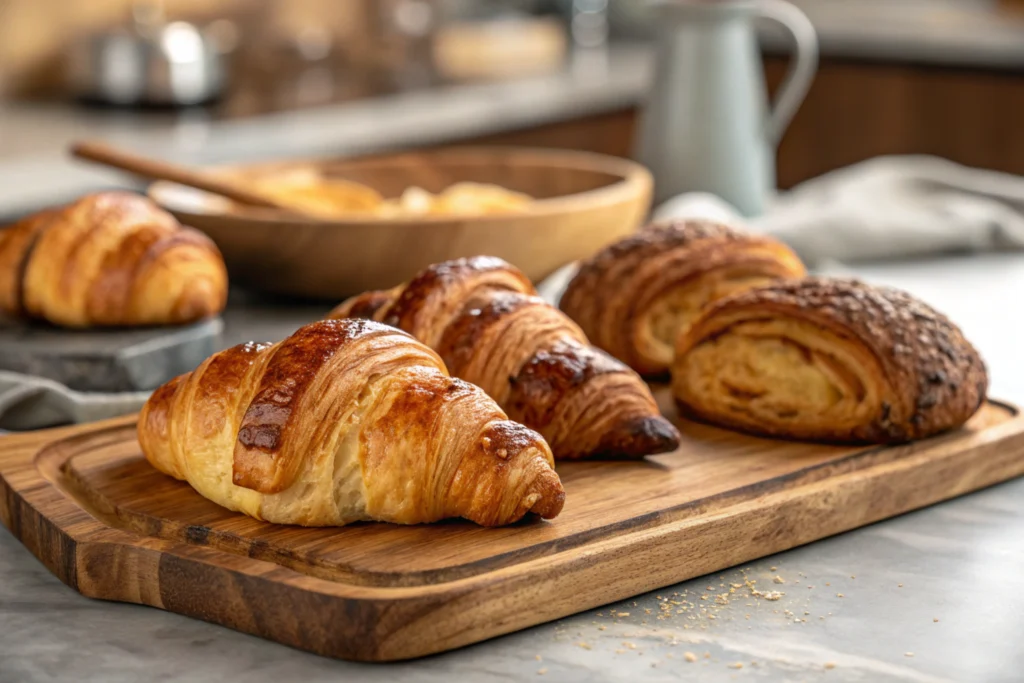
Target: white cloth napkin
{"x":884,"y":208}
{"x":29,"y":402}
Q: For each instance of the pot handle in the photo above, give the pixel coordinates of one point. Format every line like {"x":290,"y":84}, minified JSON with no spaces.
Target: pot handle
{"x":801,"y":69}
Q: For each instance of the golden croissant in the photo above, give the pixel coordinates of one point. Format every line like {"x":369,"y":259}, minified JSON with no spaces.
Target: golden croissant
{"x":483,"y":317}
{"x":635,"y":297}
{"x":344,"y":421}
{"x":109,"y":259}
{"x":828,"y":360}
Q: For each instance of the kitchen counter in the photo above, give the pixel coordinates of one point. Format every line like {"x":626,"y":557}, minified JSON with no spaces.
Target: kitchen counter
{"x":935,"y":595}
{"x":34,"y":170}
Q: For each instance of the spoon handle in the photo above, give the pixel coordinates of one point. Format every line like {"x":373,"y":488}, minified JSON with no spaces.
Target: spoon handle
{"x":153,"y":169}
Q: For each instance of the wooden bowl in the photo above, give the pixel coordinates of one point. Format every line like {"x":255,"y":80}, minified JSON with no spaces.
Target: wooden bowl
{"x":582,"y":202}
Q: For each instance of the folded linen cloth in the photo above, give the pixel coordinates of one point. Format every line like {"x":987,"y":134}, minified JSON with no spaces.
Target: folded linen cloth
{"x":884,"y":208}
{"x":29,"y":402}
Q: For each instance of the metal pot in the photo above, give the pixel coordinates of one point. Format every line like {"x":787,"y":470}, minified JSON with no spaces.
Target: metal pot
{"x":149,"y":63}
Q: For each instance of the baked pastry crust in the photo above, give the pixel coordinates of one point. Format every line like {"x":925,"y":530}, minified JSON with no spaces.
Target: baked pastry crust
{"x":110,"y":259}
{"x":346,"y":420}
{"x":636,"y":296}
{"x":828,"y":360}
{"x":483,"y":317}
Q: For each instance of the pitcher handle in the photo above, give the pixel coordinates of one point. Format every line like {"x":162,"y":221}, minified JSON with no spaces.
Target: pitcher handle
{"x":801,"y":67}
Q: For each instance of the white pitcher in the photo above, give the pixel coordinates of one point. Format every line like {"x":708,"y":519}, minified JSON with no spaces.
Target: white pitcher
{"x":707,"y":125}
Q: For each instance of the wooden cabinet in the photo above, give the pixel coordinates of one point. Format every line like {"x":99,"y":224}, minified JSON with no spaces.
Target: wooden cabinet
{"x":855,"y":111}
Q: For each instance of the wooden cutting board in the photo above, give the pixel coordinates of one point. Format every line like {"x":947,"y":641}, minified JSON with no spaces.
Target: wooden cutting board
{"x":87,"y":504}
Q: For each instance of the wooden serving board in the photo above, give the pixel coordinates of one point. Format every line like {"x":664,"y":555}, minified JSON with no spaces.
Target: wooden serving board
{"x":87,"y":504}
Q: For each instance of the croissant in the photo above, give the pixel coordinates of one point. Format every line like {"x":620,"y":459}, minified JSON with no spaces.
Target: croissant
{"x":483,"y":317}
{"x":828,"y":360}
{"x":344,"y":421}
{"x":634,"y":297}
{"x":112,"y":258}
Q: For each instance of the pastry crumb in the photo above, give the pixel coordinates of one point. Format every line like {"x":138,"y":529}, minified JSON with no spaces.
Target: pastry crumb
{"x":542,"y":671}
{"x":935,"y":620}
{"x":830,"y":665}
{"x":771,"y":569}
{"x":736,"y":665}
{"x":584,"y":645}
{"x":689,"y":656}
{"x":778,"y":579}
{"x":537,"y":657}
{"x":840,"y":595}
{"x":908,"y":654}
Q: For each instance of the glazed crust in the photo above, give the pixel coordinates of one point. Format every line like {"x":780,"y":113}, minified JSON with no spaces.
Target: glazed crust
{"x":912,"y":371}
{"x":483,"y":317}
{"x":634,"y":297}
{"x":110,"y":259}
{"x":346,"y":420}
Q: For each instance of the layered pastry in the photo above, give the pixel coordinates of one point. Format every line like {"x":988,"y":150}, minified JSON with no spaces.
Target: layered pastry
{"x":484,"y":318}
{"x":109,"y":259}
{"x":346,"y":420}
{"x":635,"y":297}
{"x":828,"y":360}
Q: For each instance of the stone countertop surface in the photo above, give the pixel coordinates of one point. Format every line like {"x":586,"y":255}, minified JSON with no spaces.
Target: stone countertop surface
{"x":934,"y":595}
{"x":34,"y":170}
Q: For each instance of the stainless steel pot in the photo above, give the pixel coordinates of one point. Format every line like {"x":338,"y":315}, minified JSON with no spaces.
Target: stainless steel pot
{"x":149,"y":63}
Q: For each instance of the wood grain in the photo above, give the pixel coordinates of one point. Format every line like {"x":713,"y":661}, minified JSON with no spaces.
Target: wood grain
{"x":84,"y":501}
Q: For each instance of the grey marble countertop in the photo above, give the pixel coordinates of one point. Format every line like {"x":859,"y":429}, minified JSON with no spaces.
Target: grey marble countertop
{"x":935,"y":595}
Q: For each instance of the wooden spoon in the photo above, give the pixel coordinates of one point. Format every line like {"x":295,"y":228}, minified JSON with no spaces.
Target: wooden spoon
{"x":153,"y":169}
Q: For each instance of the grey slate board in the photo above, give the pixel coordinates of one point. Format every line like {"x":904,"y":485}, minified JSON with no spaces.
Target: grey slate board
{"x":114,"y":360}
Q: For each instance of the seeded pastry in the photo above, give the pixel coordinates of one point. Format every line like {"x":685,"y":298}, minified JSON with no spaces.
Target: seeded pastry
{"x":828,"y":360}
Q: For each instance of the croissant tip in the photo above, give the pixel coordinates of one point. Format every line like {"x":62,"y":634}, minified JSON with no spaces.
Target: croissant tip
{"x":646,"y":435}
{"x":549,"y":503}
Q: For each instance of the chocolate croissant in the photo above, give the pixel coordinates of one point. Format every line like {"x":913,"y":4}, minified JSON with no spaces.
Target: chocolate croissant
{"x":344,"y":421}
{"x":828,"y":360}
{"x":634,"y":297}
{"x":483,"y":317}
{"x":109,"y":259}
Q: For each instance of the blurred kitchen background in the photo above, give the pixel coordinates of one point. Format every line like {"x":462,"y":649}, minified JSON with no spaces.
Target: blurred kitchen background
{"x":260,"y":79}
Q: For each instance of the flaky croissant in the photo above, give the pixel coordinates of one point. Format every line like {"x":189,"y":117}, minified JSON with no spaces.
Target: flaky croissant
{"x":828,"y":360}
{"x":344,"y":421}
{"x":634,"y":297}
{"x":483,"y":317}
{"x":109,"y":259}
